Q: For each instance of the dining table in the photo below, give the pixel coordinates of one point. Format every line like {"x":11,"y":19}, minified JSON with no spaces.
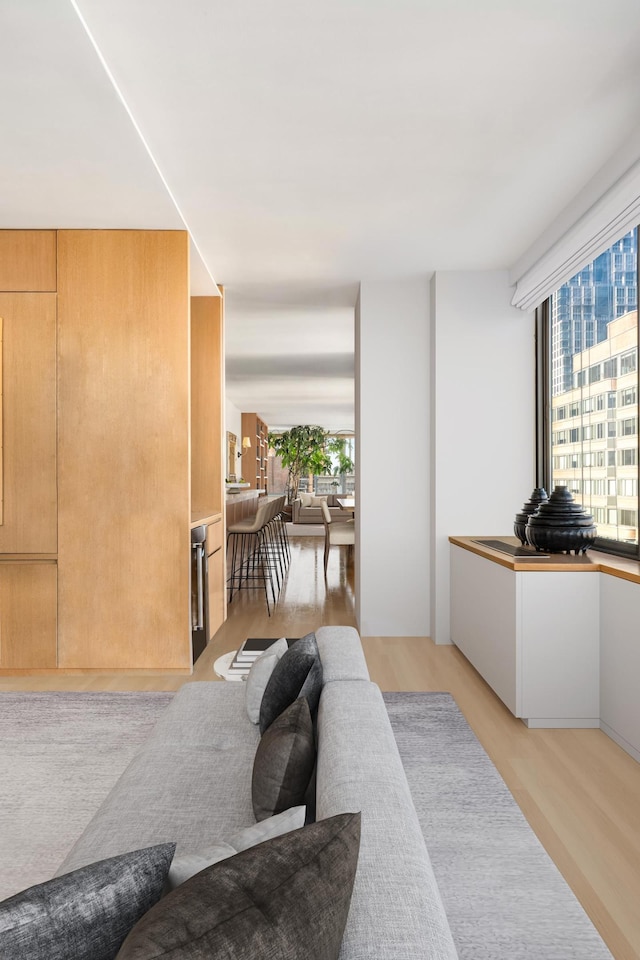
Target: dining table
{"x":348,"y":504}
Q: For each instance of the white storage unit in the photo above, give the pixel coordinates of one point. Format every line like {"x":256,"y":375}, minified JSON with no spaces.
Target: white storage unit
{"x":532,"y":635}
{"x":620,"y":662}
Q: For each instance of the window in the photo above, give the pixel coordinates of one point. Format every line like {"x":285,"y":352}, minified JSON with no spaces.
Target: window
{"x":628,"y":363}
{"x":628,"y":488}
{"x":591,"y":329}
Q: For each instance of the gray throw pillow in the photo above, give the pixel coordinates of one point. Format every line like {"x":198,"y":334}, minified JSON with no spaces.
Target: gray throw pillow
{"x":188,"y":865}
{"x":284,"y":762}
{"x":85,"y":914}
{"x":286,"y":898}
{"x":298,"y":673}
{"x":258,"y":677}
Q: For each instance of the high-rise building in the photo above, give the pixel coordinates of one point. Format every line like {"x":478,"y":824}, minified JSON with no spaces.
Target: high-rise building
{"x":581,"y":309}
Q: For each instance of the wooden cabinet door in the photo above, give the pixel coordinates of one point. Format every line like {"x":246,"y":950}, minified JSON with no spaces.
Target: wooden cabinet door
{"x":123,"y":447}
{"x":29,"y":515}
{"x":28,"y":260}
{"x":27,"y":615}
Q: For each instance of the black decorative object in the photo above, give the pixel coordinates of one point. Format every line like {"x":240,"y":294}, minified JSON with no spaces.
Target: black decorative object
{"x":560,"y":525}
{"x":538,"y":496}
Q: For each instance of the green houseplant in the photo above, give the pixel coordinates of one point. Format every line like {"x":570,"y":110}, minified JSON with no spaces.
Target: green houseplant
{"x":303,"y":450}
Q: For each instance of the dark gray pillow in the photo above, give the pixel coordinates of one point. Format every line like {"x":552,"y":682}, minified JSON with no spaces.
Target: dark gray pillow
{"x":85,"y":914}
{"x":298,"y":673}
{"x":284,"y":762}
{"x":287,"y":898}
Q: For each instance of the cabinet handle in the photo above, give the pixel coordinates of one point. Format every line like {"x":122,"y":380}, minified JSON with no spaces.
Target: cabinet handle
{"x":200,"y":572}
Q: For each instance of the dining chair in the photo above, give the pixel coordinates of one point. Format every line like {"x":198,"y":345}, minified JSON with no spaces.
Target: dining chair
{"x":336,"y":532}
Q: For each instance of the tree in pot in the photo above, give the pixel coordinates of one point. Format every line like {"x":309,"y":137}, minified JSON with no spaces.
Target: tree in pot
{"x":343,"y":463}
{"x":303,"y":451}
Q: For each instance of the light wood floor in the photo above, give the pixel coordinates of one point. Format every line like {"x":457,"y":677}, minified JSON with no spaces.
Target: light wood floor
{"x":579,"y":791}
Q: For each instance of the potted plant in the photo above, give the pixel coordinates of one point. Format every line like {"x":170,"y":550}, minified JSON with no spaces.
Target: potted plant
{"x":303,"y":450}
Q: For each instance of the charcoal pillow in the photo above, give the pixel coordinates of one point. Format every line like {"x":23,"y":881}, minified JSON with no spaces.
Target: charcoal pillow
{"x":298,"y":673}
{"x":186,"y":866}
{"x":286,"y":898}
{"x":259,"y":674}
{"x":85,"y":914}
{"x":284,"y":762}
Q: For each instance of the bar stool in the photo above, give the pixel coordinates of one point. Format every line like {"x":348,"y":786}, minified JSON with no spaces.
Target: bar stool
{"x":250,"y":560}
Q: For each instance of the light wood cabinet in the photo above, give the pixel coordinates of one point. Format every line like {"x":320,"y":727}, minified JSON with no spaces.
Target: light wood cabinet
{"x":207,"y":441}
{"x":29,"y":515}
{"x":27,"y":615}
{"x":123,"y":450}
{"x":254,"y":461}
{"x":207,"y":364}
{"x":28,"y":260}
{"x":103,"y":464}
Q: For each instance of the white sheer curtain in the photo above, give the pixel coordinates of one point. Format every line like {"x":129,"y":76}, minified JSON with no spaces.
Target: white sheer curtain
{"x":613,"y":215}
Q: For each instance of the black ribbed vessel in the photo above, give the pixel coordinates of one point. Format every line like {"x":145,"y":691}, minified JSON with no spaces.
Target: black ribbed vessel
{"x":560,"y":525}
{"x":538,"y":496}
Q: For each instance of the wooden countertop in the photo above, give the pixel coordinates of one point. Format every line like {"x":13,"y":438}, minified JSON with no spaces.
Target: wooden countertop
{"x":593,"y":561}
{"x":197,"y":519}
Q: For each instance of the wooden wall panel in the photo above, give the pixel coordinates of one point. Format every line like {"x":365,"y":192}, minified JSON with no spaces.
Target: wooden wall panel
{"x":207,"y":434}
{"x":27,"y":615}
{"x":29,"y":428}
{"x":28,"y":260}
{"x":123,"y":435}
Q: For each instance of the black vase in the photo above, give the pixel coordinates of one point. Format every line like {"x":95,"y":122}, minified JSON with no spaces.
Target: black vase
{"x":538,"y":496}
{"x":560,"y":525}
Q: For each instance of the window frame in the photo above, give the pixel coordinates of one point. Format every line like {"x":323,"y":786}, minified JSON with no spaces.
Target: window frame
{"x":544,"y":414}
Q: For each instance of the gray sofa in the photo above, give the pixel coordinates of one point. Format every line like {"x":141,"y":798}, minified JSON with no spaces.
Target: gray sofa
{"x":300,"y":513}
{"x":191,"y":783}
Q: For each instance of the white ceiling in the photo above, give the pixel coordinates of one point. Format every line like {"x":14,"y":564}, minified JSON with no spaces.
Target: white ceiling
{"x":307,"y":147}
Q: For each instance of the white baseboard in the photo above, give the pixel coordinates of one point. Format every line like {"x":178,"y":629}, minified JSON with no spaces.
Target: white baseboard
{"x":626,"y":746}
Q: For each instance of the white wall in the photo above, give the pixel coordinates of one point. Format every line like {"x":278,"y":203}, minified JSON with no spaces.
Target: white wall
{"x":392,"y":399}
{"x":233,"y":420}
{"x":482,"y":418}
{"x":233,"y":424}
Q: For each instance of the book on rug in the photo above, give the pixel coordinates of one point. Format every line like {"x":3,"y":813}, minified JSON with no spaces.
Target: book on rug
{"x":252,"y":647}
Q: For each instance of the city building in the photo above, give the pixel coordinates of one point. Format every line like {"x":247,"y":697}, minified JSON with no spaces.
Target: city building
{"x":595,"y":430}
{"x":604,"y":289}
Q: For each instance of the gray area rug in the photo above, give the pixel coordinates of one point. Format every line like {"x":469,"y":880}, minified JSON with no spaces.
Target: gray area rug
{"x":503,"y":895}
{"x":60,"y":754}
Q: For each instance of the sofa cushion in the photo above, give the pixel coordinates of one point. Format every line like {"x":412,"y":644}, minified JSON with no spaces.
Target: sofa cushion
{"x":191,"y":779}
{"x":85,"y":914}
{"x":318,"y":501}
{"x":287,"y":898}
{"x":305,"y":499}
{"x":185,"y":867}
{"x":298,"y":673}
{"x":258,"y":677}
{"x":284,"y":762}
{"x":397,"y":911}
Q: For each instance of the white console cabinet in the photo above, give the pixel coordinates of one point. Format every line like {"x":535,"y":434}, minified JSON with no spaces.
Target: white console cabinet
{"x":533,"y":635}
